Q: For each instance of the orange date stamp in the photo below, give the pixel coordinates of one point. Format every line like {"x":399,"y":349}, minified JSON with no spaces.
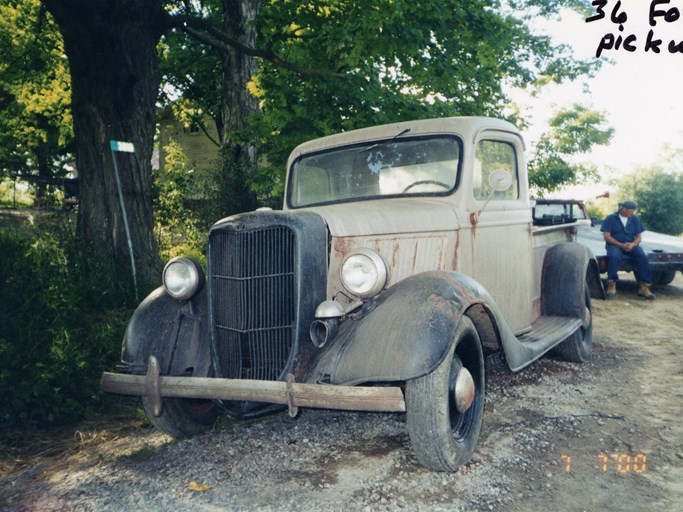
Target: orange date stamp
{"x":618,"y":463}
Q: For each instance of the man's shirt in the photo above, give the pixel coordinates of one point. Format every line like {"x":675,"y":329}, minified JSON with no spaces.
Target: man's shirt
{"x":624,"y":234}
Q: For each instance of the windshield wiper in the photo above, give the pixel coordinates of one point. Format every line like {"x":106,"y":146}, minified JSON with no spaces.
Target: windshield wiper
{"x":385,"y":142}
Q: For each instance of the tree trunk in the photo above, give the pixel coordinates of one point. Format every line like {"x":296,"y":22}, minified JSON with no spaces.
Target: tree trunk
{"x":111,"y":47}
{"x":237,"y":104}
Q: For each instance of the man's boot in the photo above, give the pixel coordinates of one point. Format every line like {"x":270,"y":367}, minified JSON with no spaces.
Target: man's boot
{"x":611,"y":289}
{"x":644,"y":291}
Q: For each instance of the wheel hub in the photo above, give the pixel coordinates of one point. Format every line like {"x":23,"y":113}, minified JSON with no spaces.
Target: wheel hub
{"x":587,"y":317}
{"x":464,"y":390}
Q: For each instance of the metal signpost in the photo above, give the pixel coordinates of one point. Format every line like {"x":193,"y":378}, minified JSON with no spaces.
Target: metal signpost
{"x":124,"y":147}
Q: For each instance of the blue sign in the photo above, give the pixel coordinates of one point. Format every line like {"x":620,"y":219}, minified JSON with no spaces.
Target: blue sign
{"x":122,"y":147}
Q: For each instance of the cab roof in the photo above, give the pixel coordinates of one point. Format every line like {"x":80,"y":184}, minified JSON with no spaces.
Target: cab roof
{"x":466,"y":127}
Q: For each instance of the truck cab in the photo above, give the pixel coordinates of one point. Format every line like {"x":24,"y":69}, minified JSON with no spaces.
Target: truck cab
{"x":403,"y":254}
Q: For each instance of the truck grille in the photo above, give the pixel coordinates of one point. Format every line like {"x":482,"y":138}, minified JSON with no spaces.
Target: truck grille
{"x":253,"y":300}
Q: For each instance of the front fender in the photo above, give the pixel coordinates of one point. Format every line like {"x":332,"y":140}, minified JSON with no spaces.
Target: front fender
{"x":406,"y":333}
{"x":175,"y":332}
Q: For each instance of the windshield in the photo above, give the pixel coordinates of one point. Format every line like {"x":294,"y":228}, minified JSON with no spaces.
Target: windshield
{"x":416,"y":166}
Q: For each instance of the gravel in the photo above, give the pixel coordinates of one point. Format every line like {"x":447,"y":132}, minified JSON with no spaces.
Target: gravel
{"x":329,"y":460}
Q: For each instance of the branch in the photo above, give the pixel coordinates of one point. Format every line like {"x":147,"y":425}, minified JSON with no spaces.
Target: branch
{"x":208,"y":33}
{"x":208,"y":135}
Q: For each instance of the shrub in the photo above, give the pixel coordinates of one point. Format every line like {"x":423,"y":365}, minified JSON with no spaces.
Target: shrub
{"x":57,"y":331}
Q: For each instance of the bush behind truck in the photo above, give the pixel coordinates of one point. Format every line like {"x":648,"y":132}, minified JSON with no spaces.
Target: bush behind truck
{"x":403,"y":255}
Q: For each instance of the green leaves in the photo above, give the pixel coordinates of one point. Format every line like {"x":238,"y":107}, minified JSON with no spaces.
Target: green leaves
{"x":331,"y":65}
{"x":573,"y":131}
{"x":578,"y":129}
{"x":35,"y":117}
{"x":659,"y":194}
{"x":177,"y":228}
{"x":58,"y":331}
{"x":401,"y":60}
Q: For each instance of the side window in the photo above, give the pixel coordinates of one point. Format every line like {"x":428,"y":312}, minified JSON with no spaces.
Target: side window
{"x":492,"y":155}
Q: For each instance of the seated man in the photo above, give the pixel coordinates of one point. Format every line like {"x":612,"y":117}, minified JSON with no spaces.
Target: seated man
{"x":621,"y":231}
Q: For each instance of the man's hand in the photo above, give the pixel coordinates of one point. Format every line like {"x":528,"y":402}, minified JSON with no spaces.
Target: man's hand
{"x":628,"y":247}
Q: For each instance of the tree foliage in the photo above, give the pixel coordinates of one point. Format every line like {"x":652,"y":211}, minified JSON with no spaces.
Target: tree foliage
{"x":573,"y":131}
{"x":332,"y":65}
{"x":671,"y":159}
{"x":659,"y":195}
{"x":36,"y":131}
{"x":176,"y":226}
{"x":393,"y":61}
{"x":210,"y":59}
{"x":325,"y":66}
{"x":192,"y":78}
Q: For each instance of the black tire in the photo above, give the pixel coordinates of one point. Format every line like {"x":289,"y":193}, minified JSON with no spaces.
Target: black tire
{"x":442,"y":438}
{"x":663,"y":278}
{"x":578,"y":347}
{"x":181,"y":417}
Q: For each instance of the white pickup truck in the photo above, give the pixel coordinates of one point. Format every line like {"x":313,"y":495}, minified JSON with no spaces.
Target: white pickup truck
{"x":664,"y":252}
{"x":402,"y":256}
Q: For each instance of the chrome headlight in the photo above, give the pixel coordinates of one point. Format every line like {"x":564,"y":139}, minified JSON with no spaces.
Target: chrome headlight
{"x":183,"y":278}
{"x":364,"y":273}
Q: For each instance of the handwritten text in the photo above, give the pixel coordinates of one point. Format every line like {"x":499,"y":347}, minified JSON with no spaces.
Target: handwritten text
{"x":660,"y":11}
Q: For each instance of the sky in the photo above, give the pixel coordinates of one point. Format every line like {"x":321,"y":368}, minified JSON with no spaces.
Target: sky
{"x":641,"y":91}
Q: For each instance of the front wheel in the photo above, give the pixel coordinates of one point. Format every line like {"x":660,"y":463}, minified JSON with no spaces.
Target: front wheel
{"x":445,"y":409}
{"x":183,"y":417}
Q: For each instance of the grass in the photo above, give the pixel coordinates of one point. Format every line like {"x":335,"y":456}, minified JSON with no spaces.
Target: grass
{"x":25,"y":447}
{"x":15,"y":194}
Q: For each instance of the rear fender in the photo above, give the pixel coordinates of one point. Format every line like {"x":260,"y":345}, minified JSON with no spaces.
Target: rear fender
{"x":403,"y":334}
{"x":175,"y":332}
{"x":567,"y":269}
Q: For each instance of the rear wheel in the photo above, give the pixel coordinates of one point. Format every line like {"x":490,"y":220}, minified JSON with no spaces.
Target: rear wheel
{"x":445,"y":409}
{"x":663,"y":278}
{"x":578,"y":347}
{"x":182,"y":417}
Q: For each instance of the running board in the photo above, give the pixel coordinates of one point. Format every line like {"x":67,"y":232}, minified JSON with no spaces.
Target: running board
{"x":550,"y":328}
{"x":545,"y":333}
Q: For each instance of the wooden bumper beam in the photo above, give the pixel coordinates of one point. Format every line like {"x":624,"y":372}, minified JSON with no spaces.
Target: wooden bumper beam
{"x":289,"y":393}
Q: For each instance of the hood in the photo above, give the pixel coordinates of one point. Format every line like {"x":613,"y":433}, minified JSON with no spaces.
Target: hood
{"x":388,"y":216}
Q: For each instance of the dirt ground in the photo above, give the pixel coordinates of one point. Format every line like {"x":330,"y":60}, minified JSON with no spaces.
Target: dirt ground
{"x":617,"y":441}
{"x":605,"y":435}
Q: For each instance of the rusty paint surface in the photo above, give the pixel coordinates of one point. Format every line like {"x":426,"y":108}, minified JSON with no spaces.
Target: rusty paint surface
{"x":404,"y":255}
{"x":504,"y":256}
{"x":342,"y":247}
{"x":454,"y":260}
{"x":500,"y":257}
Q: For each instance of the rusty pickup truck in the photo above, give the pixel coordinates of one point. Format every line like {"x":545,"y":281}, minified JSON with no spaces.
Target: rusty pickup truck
{"x":402,"y":256}
{"x":664,"y":252}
